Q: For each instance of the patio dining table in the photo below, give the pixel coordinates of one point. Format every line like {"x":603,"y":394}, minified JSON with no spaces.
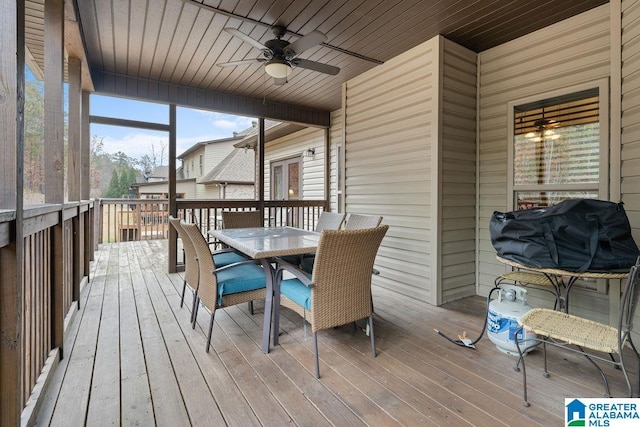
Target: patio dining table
{"x":265,"y":244}
{"x":563,"y":280}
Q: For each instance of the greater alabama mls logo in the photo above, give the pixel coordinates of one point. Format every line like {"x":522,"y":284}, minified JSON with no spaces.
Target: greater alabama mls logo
{"x":602,"y":412}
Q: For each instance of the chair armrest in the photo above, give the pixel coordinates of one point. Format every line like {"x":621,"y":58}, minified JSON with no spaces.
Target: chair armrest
{"x":236,"y":264}
{"x":222,"y":251}
{"x":298,"y":273}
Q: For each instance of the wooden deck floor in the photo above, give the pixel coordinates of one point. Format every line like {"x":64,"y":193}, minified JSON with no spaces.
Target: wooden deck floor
{"x":131,"y":358}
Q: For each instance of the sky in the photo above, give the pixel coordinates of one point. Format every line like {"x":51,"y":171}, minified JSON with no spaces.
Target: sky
{"x":192,"y":126}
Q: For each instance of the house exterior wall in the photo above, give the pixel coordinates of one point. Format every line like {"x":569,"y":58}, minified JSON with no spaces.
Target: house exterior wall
{"x":630,"y":119}
{"x":457,"y":173}
{"x":208,"y":191}
{"x":215,"y":153}
{"x":336,"y":144}
{"x":234,"y":192}
{"x":630,"y":125}
{"x":388,"y":124}
{"x":212,"y":154}
{"x":191,"y":164}
{"x":293,"y":145}
{"x":409,"y":155}
{"x":573,"y":51}
{"x":188,"y":187}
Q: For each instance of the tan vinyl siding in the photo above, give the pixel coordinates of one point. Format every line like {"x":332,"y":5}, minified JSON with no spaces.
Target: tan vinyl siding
{"x":458,"y":173}
{"x":296,"y":144}
{"x":568,"y":53}
{"x":210,"y":191}
{"x":335,"y":136}
{"x":388,"y":133}
{"x":630,"y":115}
{"x":213,"y":154}
{"x":630,"y":139}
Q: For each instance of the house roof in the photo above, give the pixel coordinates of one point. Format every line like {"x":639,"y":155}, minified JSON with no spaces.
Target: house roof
{"x":237,"y":168}
{"x":159,"y":172}
{"x":195,"y":147}
{"x":174,"y":46}
{"x":272,"y":130}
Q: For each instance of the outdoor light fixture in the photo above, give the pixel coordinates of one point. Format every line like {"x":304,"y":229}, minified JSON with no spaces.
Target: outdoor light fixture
{"x":277,"y":68}
{"x":310,"y":152}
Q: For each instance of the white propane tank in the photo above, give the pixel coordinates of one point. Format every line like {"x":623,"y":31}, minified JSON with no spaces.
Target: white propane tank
{"x":502,"y":320}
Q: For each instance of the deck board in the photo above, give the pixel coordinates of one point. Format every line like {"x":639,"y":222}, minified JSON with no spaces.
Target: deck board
{"x":169,"y":407}
{"x":131,"y":357}
{"x":105,"y":381}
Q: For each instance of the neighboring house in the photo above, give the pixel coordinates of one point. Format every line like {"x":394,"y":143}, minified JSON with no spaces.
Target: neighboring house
{"x":233,"y":177}
{"x":155,"y":184}
{"x":159,"y":174}
{"x":225,"y":168}
{"x":213,"y":169}
{"x":200,"y":159}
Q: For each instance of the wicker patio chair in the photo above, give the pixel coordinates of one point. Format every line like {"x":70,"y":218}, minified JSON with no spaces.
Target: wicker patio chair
{"x":326,"y":221}
{"x":339,"y":289}
{"x":222,"y":257}
{"x":329,"y":221}
{"x":220,"y":287}
{"x":578,"y":334}
{"x":355,"y":221}
{"x":242,"y":219}
{"x":190,"y":264}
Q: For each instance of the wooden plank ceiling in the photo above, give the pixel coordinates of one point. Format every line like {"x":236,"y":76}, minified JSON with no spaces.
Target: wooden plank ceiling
{"x":181,"y":41}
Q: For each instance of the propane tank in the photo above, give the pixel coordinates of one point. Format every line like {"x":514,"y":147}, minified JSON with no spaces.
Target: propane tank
{"x":502,"y":320}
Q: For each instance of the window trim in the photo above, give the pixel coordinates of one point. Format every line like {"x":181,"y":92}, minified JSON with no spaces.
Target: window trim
{"x":603,"y":181}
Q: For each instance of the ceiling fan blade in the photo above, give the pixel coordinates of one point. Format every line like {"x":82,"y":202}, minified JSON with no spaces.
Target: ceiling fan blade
{"x":315,"y":66}
{"x":244,"y":37}
{"x":279,"y":81}
{"x":312,"y":39}
{"x":241,"y":62}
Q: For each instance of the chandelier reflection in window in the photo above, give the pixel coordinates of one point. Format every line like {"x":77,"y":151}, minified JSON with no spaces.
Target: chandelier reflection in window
{"x":544,"y":137}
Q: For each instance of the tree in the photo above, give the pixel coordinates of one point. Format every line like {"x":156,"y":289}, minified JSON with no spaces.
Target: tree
{"x":132,"y":176}
{"x":34,"y":137}
{"x":149,"y":162}
{"x":114,"y":186}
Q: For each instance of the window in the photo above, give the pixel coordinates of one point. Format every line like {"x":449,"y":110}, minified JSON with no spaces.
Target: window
{"x":201,"y":160}
{"x":286,"y":179}
{"x":559,"y":147}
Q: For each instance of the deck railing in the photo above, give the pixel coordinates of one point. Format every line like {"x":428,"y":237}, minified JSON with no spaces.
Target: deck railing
{"x":145,"y":219}
{"x":140,"y":219}
{"x":123,"y":220}
{"x":57,"y":247}
{"x":208,"y":215}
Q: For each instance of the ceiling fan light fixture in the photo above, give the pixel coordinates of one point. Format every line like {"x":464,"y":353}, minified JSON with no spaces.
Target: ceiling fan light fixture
{"x":277,"y":68}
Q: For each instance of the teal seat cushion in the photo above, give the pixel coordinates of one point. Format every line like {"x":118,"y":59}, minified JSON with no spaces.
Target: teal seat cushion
{"x":226,"y":258}
{"x":247,"y":277}
{"x":296,"y":291}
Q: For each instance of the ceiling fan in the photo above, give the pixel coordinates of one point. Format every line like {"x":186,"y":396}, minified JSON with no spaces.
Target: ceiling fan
{"x":280,"y":56}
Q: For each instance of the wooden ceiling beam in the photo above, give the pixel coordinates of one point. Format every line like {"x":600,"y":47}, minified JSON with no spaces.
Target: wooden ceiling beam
{"x":157,"y":91}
